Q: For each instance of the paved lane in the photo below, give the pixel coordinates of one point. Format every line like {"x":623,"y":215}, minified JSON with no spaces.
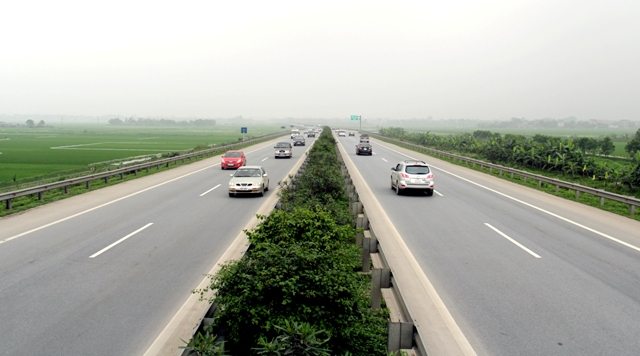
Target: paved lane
{"x":55,"y":299}
{"x":581,"y":297}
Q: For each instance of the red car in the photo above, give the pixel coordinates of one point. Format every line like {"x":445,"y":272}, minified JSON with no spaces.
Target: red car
{"x":233,"y":159}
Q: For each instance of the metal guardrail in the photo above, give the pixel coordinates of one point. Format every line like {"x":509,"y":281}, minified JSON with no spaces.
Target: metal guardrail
{"x":401,"y":332}
{"x":40,"y":189}
{"x":603,"y":194}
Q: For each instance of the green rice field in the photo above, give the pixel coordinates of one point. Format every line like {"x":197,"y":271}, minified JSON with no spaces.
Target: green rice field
{"x":30,"y":153}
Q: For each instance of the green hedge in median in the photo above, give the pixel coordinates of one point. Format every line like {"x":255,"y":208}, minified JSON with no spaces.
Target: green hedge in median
{"x":299,"y":280}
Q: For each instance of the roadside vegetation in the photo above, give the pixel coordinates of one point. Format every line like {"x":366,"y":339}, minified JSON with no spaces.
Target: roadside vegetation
{"x":297,"y":290}
{"x":31,"y":201}
{"x":29,"y":156}
{"x":576,"y":161}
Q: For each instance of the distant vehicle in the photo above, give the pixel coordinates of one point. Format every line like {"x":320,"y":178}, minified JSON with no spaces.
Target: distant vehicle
{"x":294,"y":133}
{"x":283,"y":149}
{"x":364,"y":138}
{"x":364,"y":149}
{"x":249,"y":180}
{"x":311,"y":134}
{"x":412,"y":175}
{"x":298,"y":140}
{"x":341,"y":134}
{"x":351,"y":133}
{"x":233,"y":159}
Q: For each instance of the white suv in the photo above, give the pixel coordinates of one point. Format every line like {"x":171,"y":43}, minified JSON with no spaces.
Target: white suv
{"x":411,"y":174}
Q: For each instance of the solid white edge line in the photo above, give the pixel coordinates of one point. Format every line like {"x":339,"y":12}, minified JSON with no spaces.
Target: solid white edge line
{"x":514,"y":241}
{"x":210,"y":190}
{"x":113,"y":201}
{"x":533,"y":206}
{"x":119,"y":241}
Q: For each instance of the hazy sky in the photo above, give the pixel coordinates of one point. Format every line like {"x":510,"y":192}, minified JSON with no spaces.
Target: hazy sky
{"x":323,"y":59}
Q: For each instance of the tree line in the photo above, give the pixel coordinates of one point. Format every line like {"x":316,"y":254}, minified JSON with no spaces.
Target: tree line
{"x":567,"y":157}
{"x":160,"y":122}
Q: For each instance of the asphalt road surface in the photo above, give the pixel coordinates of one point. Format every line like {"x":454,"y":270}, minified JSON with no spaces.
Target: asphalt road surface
{"x":104,"y":272}
{"x":522,"y":272}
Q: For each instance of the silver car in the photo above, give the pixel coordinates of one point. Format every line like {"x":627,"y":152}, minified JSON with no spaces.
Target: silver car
{"x":283,"y":149}
{"x":411,"y":174}
{"x":249,"y":180}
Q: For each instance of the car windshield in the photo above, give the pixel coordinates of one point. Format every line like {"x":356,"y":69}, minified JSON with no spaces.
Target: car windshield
{"x":417,"y":169}
{"x":283,"y":145}
{"x":232,"y":154}
{"x":247,"y":173}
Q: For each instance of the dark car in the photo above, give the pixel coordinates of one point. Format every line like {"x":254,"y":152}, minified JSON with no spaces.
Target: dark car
{"x":298,"y":140}
{"x":364,"y":148}
{"x":311,"y":134}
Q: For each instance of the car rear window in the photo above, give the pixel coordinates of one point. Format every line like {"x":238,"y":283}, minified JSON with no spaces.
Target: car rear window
{"x":365,"y":145}
{"x":417,"y":169}
{"x":232,"y":154}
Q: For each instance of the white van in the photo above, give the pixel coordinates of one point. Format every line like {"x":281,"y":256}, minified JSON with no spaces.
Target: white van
{"x":294,"y":133}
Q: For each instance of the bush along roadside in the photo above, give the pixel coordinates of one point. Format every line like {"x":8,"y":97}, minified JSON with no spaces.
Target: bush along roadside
{"x":297,"y":290}
{"x":620,"y":208}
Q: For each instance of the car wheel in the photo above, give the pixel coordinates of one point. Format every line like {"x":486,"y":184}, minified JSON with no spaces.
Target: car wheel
{"x":392,"y":187}
{"x":398,"y":188}
{"x":429,"y":192}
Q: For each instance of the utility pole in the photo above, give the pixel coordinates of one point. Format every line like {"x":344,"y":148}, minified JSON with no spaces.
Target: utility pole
{"x":360,"y":119}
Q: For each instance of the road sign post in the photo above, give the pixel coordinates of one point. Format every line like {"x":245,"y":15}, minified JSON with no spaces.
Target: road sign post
{"x":359,"y":118}
{"x":243,"y":131}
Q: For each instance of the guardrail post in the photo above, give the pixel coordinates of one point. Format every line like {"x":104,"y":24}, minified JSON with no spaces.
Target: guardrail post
{"x":121,"y":176}
{"x":577,"y":194}
{"x":557,"y":188}
{"x":601,"y":200}
{"x":157,"y":167}
{"x":8,"y":204}
{"x":511,"y":175}
{"x":106,"y":180}
{"x":400,"y":336}
{"x":500,"y":173}
{"x":88,"y":184}
{"x":525,"y":178}
{"x":632,"y":209}
{"x":66,"y":189}
{"x":490,"y":170}
{"x":380,"y":278}
{"x":366,"y":256}
{"x":147,"y":169}
{"x":135,"y":172}
{"x":40,"y":196}
{"x":539,"y":183}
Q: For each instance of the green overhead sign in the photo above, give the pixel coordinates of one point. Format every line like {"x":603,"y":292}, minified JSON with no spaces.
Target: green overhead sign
{"x":355,"y":117}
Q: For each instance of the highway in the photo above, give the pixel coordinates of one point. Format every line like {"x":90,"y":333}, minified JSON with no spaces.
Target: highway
{"x":521,"y":272}
{"x":103,"y":273}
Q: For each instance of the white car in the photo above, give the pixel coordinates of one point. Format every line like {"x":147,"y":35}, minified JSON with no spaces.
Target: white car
{"x":249,"y":180}
{"x":412,"y":175}
{"x":341,"y":134}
